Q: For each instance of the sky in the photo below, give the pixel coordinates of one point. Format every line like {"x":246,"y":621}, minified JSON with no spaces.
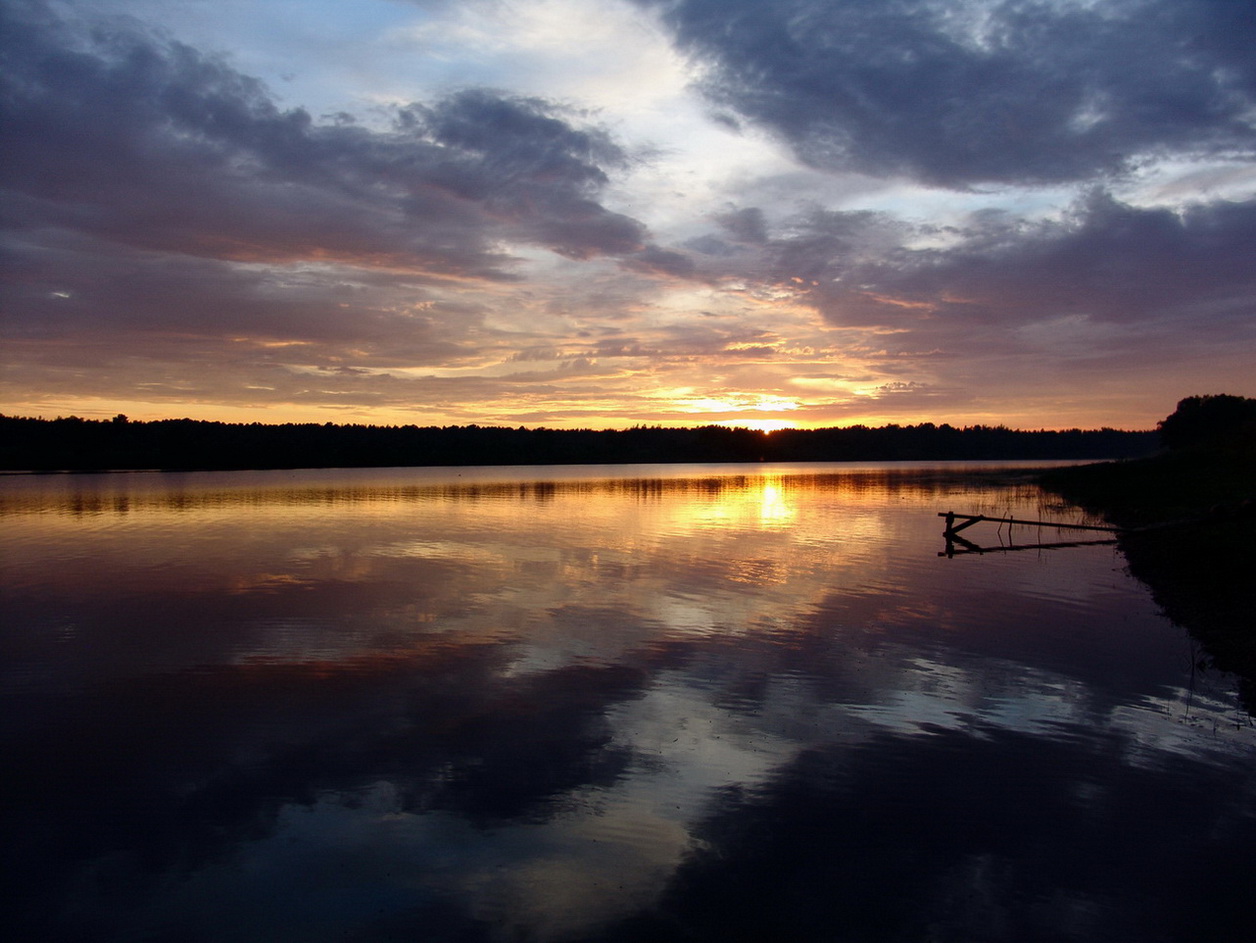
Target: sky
{"x":609,"y":213}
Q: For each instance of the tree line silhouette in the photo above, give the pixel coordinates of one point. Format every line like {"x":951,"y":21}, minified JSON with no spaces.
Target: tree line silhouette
{"x":76,"y":444}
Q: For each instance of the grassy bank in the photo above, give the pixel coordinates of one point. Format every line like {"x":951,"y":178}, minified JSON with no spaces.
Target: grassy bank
{"x":1167,"y":487}
{"x":1202,"y":573}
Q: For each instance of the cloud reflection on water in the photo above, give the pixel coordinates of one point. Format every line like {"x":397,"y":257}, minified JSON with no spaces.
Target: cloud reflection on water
{"x":536,"y":705}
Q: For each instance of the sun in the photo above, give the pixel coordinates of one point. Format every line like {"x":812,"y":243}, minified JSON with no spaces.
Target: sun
{"x":766,"y":426}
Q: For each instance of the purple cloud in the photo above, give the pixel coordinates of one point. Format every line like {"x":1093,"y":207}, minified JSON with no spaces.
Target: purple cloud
{"x":959,"y":94}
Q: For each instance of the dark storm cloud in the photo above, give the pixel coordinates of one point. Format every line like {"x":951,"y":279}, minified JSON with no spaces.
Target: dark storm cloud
{"x":957,"y":94}
{"x":1103,"y":260}
{"x":745,"y":225}
{"x":741,"y":228}
{"x":518,"y":159}
{"x":658,"y":261}
{"x":137,"y":139}
{"x":103,"y":293}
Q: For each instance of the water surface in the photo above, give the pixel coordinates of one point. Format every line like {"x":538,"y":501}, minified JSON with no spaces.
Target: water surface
{"x":609,"y":703}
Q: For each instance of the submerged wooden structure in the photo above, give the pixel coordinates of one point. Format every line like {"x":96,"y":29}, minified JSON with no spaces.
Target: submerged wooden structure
{"x":955,"y":544}
{"x":1243,"y":511}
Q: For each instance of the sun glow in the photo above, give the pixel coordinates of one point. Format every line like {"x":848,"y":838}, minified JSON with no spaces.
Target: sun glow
{"x":766,"y":426}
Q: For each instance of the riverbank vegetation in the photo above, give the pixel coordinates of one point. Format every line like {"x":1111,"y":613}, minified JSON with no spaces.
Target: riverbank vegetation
{"x":1204,"y":481}
{"x":74,"y":444}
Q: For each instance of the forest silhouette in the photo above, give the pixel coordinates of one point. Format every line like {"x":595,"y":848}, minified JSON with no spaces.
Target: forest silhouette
{"x":76,"y":444}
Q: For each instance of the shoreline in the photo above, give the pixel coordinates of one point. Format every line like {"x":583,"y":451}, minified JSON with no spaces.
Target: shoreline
{"x":1200,"y":573}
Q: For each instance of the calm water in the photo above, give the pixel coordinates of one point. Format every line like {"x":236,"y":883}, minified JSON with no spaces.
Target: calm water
{"x":631,"y":703}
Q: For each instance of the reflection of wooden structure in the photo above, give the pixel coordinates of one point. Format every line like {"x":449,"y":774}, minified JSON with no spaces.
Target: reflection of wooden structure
{"x":1219,"y":514}
{"x":951,"y":534}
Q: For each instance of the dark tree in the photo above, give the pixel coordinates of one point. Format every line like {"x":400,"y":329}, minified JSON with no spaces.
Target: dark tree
{"x":1209,"y":420}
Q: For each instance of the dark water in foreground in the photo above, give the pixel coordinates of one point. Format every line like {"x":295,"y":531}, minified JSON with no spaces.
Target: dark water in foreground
{"x":632,"y":703}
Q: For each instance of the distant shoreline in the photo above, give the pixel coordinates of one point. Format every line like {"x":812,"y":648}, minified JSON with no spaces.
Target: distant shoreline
{"x":45,"y":446}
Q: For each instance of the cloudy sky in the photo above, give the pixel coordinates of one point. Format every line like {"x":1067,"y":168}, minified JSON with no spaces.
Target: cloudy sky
{"x":600,"y":213}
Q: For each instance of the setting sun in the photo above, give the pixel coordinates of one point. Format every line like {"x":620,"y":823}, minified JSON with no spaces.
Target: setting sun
{"x":766,"y":426}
